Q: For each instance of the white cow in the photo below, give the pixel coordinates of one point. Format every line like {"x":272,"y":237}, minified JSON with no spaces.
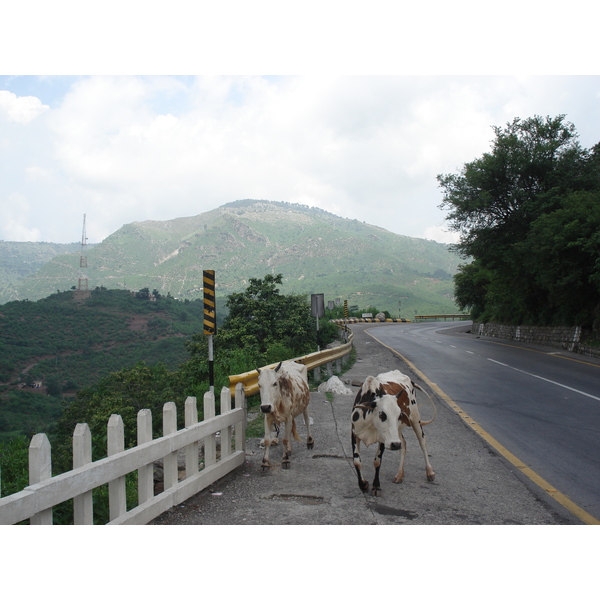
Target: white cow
{"x":284,"y":394}
{"x":399,"y":386}
{"x":374,"y":419}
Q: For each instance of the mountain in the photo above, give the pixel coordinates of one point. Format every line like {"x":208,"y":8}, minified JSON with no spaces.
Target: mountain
{"x":316,"y":251}
{"x":21,"y":259}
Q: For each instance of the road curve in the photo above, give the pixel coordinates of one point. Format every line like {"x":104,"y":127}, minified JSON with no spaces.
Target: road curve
{"x":538,"y":406}
{"x":474,"y":483}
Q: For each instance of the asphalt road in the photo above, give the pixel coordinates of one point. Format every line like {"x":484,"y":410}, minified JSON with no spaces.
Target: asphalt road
{"x":474,"y":483}
{"x":541,"y":403}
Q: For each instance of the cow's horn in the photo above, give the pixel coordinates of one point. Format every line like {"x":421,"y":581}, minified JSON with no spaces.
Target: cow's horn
{"x":278,"y":367}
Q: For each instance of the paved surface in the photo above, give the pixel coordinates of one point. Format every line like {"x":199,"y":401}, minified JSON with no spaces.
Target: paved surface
{"x":473,"y":484}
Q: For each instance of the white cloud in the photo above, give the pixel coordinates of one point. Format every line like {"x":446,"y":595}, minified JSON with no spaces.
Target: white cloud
{"x":124,"y":149}
{"x":22,"y":109}
{"x":439,"y":233}
{"x":15,"y":216}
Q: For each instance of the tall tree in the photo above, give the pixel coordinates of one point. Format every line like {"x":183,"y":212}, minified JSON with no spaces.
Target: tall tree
{"x":517,"y":209}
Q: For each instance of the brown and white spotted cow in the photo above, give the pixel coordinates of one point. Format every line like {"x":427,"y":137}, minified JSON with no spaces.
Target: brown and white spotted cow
{"x":400,"y":386}
{"x":374,"y":419}
{"x":284,"y":395}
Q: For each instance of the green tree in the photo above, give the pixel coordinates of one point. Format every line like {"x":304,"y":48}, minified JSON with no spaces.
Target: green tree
{"x":261,"y":316}
{"x":515,"y":221}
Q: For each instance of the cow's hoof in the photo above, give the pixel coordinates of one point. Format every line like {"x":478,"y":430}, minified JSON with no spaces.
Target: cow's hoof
{"x":285,"y":464}
{"x":364,"y":486}
{"x":398,"y":479}
{"x":376,"y":491}
{"x":431,"y":477}
{"x":310,"y":445}
{"x":265,"y":467}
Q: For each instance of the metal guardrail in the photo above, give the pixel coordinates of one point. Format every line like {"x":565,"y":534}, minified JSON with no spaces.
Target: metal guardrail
{"x":461,"y":317}
{"x":350,"y":320}
{"x":249,"y":380}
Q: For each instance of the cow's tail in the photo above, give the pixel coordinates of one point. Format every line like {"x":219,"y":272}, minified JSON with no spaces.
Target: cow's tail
{"x":418,"y":387}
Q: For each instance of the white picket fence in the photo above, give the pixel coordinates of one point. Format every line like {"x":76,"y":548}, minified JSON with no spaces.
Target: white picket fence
{"x":37,"y":500}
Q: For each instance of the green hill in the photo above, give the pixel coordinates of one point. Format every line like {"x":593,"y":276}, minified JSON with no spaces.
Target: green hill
{"x":316,"y":251}
{"x":67,"y":343}
{"x":22,"y":259}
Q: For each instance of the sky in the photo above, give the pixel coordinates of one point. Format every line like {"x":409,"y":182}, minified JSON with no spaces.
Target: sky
{"x":363,"y":138}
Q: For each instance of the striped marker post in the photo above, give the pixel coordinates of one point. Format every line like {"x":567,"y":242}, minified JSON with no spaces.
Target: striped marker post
{"x":210,"y":321}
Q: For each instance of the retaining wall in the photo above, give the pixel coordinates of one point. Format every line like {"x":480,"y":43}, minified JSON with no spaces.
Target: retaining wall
{"x":567,"y":338}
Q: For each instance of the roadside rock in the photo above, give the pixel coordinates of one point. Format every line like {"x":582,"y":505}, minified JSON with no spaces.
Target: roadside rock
{"x":335,"y":386}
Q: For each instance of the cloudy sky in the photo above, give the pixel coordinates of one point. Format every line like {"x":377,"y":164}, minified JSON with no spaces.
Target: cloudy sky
{"x":123,"y":148}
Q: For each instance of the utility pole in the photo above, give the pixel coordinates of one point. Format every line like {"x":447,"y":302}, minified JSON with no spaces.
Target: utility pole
{"x":82,"y":284}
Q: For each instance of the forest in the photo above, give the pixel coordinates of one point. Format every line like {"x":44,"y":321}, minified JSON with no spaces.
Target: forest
{"x":528,"y":214}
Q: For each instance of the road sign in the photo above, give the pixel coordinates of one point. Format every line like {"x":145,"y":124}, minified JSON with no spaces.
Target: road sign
{"x":210,"y":315}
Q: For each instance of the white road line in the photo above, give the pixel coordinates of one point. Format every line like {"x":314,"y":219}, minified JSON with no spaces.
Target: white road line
{"x":469,"y":352}
{"x":544,"y":379}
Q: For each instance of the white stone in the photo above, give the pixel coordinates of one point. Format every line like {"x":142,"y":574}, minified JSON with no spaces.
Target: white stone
{"x":334,"y":386}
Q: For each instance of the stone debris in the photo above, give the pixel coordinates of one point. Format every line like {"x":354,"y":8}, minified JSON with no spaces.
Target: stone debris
{"x":334,"y":386}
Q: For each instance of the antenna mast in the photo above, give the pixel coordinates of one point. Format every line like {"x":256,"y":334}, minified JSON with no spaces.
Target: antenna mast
{"x":82,"y":285}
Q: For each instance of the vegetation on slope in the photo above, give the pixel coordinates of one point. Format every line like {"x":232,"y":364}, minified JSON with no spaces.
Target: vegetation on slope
{"x":529,"y":216}
{"x":316,"y":251}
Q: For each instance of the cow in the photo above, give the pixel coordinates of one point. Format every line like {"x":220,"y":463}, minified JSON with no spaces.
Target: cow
{"x":284,"y":395}
{"x":400,"y":386}
{"x":374,"y":419}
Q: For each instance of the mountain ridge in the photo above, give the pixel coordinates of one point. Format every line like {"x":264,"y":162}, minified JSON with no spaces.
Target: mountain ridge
{"x":316,"y":251}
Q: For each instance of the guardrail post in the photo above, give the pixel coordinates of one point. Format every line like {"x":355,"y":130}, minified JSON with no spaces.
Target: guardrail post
{"x":225,"y":433}
{"x":210,"y":446}
{"x":83,"y":508}
{"x":146,"y":473}
{"x":117,"y":501}
{"x":317,"y":374}
{"x":170,"y":461}
{"x":329,"y":370}
{"x":40,"y":469}
{"x":240,"y":426}
{"x":191,"y":451}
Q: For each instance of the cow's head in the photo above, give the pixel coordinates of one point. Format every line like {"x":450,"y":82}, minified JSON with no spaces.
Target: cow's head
{"x":268,"y":383}
{"x":377,"y":421}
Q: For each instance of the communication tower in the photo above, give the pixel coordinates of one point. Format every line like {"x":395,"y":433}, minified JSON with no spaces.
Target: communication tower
{"x":82,"y":285}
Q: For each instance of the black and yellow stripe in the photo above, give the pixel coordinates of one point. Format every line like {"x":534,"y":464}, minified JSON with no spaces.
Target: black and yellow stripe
{"x":210,"y":315}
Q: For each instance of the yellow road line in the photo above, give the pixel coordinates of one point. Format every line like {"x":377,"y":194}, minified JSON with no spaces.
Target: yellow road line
{"x":530,"y":473}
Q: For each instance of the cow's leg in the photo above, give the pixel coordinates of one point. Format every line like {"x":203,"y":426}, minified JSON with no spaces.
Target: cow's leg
{"x":420,"y":433}
{"x":362,"y":483}
{"x":287,"y":443}
{"x":377,"y":464}
{"x":267,"y":441}
{"x":400,"y":474}
{"x":310,"y":442}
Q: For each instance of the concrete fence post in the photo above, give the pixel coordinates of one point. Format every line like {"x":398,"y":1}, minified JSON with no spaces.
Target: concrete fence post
{"x":226,"y":432}
{"x":83,"y":508}
{"x":191,"y":451}
{"x":40,"y":469}
{"x":146,"y":473}
{"x":117,"y":500}
{"x":210,"y":446}
{"x":170,"y":474}
{"x":240,"y":426}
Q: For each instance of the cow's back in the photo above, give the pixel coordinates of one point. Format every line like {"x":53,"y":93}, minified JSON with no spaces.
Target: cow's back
{"x":294,"y":385}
